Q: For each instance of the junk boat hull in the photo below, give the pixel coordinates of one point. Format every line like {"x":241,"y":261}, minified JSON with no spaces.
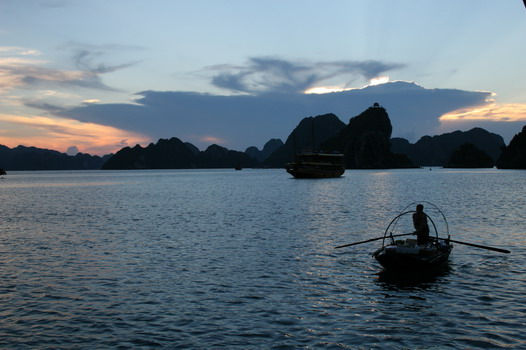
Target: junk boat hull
{"x":313,"y":172}
{"x":316,"y":165}
{"x":407,"y":255}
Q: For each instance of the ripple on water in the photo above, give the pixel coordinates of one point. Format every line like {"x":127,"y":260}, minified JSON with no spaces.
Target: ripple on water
{"x":219,"y":259}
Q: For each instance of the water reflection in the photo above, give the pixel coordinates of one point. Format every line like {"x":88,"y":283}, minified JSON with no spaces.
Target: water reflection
{"x":411,"y":280}
{"x":219,"y":259}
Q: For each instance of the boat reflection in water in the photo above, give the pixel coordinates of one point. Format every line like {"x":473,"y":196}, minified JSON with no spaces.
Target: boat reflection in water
{"x":413,"y":279}
{"x":314,"y":165}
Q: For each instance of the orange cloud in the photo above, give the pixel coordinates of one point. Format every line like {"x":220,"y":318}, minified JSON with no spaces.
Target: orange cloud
{"x":16,"y":72}
{"x":60,"y":134}
{"x":16,"y":50}
{"x":493,"y":112}
{"x":212,"y":139}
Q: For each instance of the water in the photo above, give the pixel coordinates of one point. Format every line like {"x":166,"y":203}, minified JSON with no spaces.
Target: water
{"x":225,"y":259}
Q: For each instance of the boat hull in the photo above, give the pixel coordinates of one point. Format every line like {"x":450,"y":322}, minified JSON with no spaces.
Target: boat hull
{"x":305,"y":172}
{"x":315,"y":165}
{"x":394,"y":257}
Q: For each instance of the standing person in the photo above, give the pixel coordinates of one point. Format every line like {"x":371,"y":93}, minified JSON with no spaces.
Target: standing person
{"x":420,"y":224}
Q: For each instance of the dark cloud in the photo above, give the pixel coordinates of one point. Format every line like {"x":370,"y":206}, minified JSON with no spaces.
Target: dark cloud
{"x":45,"y":77}
{"x":246,"y":120}
{"x":85,"y":60}
{"x":53,"y":109}
{"x":262,"y":74}
{"x":233,"y":82}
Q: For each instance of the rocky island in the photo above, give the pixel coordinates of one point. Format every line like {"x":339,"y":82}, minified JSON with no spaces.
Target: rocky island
{"x":514,"y":155}
{"x":469,"y":156}
{"x":365,"y":142}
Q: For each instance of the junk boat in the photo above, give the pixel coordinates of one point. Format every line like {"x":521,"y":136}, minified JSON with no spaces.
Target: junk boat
{"x":314,"y":165}
{"x":406,"y":254}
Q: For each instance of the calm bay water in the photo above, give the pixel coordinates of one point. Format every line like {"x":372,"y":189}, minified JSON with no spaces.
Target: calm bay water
{"x":225,"y":259}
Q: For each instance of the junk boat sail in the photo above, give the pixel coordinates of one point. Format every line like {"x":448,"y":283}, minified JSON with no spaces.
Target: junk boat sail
{"x":406,"y":254}
{"x":315,"y":165}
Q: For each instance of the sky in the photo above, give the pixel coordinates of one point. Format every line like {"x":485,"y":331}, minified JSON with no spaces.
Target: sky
{"x":95,"y":76}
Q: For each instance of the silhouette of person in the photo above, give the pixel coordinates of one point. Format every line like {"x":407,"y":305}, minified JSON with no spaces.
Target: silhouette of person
{"x":420,"y":224}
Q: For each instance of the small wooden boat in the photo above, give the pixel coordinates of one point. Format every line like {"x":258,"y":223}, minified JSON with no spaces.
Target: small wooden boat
{"x":406,"y":254}
{"x":315,"y":165}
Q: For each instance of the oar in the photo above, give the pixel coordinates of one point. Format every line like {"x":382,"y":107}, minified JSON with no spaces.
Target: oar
{"x":372,"y":239}
{"x":476,"y":245}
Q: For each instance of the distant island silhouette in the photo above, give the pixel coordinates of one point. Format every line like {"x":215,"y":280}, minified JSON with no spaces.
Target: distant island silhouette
{"x":437,"y":150}
{"x":514,"y":155}
{"x":33,"y":158}
{"x":365,"y":141}
{"x":174,"y":154}
{"x":469,"y":156}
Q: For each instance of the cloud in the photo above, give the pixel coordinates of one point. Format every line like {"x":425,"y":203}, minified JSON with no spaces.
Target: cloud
{"x":211,"y":139}
{"x":270,"y":102}
{"x":20,"y":69}
{"x":15,"y":50}
{"x":502,"y":118}
{"x":251,"y":120}
{"x":492,"y":112}
{"x":72,"y":150}
{"x":264,"y":74}
{"x":85,"y":60}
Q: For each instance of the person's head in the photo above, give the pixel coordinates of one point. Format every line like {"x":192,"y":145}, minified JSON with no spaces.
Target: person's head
{"x":419,"y":208}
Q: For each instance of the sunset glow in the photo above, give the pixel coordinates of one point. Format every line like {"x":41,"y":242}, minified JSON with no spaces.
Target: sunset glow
{"x":379,"y":80}
{"x":211,"y":139}
{"x":329,"y":89}
{"x":326,"y":89}
{"x":510,"y":112}
{"x":93,"y":100}
{"x":60,"y":134}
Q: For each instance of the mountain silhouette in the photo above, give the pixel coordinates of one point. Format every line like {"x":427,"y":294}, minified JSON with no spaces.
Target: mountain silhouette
{"x":220,"y":157}
{"x":514,"y":155}
{"x":175,"y":154}
{"x":33,"y":158}
{"x":365,"y":142}
{"x":437,"y":150}
{"x":469,"y":156}
{"x":165,"y":154}
{"x":268,"y":149}
{"x":309,"y":135}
